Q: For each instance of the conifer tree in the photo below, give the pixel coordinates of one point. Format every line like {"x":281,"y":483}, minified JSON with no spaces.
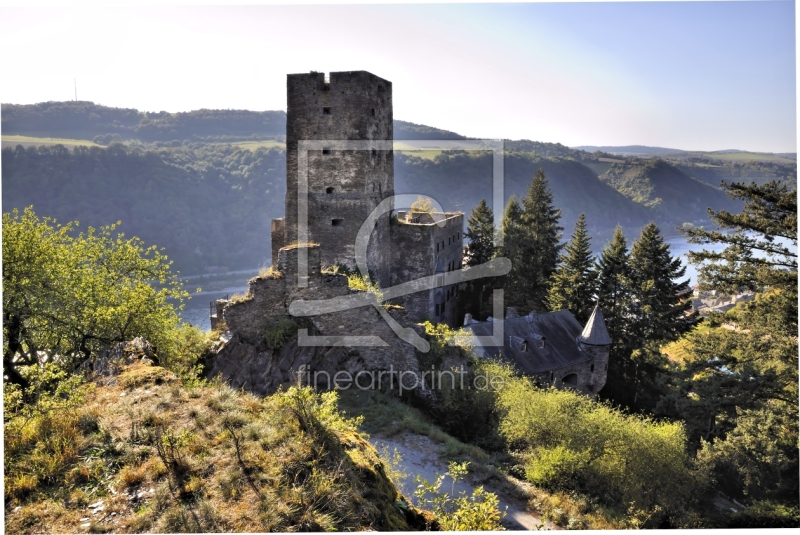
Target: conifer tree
{"x":539,"y":243}
{"x":574,"y":284}
{"x":480,"y":231}
{"x":481,"y":249}
{"x":614,"y":296}
{"x":511,"y":228}
{"x":661,"y":299}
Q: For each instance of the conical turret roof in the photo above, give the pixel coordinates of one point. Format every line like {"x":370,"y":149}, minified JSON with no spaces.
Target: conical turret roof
{"x":595,"y":332}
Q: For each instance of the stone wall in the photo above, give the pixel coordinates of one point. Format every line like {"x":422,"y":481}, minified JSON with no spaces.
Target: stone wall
{"x":599,"y":368}
{"x":344,"y":185}
{"x":277,"y":233}
{"x":421,"y":247}
{"x":245,"y":360}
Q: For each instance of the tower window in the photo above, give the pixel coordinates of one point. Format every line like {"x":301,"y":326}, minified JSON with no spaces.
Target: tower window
{"x":374,"y":152}
{"x":373,"y":112}
{"x":337,"y":222}
{"x":329,"y":190}
{"x":591,"y":368}
{"x":326,"y":110}
{"x":326,"y":151}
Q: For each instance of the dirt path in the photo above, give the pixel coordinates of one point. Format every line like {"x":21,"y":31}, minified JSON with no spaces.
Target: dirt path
{"x":421,"y":456}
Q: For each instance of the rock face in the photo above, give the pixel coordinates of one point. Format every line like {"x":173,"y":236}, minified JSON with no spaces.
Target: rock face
{"x":247,"y":361}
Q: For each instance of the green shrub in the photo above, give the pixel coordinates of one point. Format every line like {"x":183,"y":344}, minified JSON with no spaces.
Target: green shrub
{"x":278,"y":333}
{"x":557,"y":467}
{"x":766,"y":514}
{"x":576,"y":443}
{"x":478,"y":512}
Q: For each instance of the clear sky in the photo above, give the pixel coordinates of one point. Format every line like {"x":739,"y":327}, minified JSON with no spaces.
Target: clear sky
{"x":688,"y":75}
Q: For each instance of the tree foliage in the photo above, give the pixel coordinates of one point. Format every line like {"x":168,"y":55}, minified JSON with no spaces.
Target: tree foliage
{"x":531,"y":240}
{"x":67,"y":296}
{"x":761,"y":249}
{"x":481,"y":234}
{"x":737,"y":387}
{"x":574,"y":283}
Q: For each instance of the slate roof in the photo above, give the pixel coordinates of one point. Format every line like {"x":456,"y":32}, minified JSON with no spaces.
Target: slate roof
{"x":595,"y":332}
{"x":558,"y":330}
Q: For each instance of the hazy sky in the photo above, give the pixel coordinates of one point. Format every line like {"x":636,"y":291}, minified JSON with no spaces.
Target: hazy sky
{"x":689,"y":75}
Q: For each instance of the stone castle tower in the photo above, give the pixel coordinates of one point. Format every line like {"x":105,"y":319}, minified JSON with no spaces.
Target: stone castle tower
{"x":344,"y":184}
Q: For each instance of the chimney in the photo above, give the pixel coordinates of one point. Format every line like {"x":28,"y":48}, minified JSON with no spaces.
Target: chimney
{"x":467,"y":319}
{"x":511,"y":312}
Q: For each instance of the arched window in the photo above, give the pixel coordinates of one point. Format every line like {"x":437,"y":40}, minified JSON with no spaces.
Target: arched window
{"x":570,"y":380}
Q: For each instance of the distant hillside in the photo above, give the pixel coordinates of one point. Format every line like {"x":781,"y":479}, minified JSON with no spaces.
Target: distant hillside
{"x":209,"y":206}
{"x":86,"y":120}
{"x":405,"y":130}
{"x":674,"y":196}
{"x":103,"y":124}
{"x":629,"y":150}
{"x":460,"y":180}
{"x":209,"y":201}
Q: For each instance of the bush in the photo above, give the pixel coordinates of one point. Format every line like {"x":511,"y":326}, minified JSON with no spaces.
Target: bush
{"x":765,"y":514}
{"x":278,"y":333}
{"x":557,"y":467}
{"x":478,"y":512}
{"x":576,"y":443}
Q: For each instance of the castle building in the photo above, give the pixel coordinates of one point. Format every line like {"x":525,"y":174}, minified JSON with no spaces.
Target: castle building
{"x":345,"y":183}
{"x":552,"y":348}
{"x":340,"y":188}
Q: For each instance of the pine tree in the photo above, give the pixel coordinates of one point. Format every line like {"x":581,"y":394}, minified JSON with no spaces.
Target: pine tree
{"x":540,"y":237}
{"x":480,"y":231}
{"x":574,"y":284}
{"x":661,"y":300}
{"x":510,"y":227}
{"x":614,"y":296}
{"x":481,"y":248}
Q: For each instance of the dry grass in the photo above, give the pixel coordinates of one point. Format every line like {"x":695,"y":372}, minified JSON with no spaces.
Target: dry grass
{"x":162,"y":459}
{"x":296,"y":245}
{"x":270,"y":272}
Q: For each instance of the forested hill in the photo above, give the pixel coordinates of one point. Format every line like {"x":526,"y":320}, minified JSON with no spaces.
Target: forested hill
{"x":87,"y":120}
{"x":668,"y":191}
{"x":208,"y":206}
{"x":196,"y":184}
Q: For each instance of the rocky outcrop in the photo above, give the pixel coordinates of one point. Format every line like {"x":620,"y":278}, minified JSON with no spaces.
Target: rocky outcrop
{"x":247,"y":361}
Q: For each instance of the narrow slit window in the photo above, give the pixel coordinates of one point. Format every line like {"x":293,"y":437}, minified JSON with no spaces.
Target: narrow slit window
{"x":373,"y":112}
{"x":326,"y":110}
{"x":374,"y":152}
{"x":337,"y":222}
{"x":329,"y":190}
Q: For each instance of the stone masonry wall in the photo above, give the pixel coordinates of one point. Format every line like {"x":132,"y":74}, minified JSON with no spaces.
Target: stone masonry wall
{"x":417,"y":249}
{"x":344,"y":185}
{"x":245,"y":360}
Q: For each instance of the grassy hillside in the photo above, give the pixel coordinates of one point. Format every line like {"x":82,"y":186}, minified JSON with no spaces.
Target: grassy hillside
{"x":142,"y":453}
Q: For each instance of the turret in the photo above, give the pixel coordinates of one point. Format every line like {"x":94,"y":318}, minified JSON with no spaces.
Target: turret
{"x":595,"y":342}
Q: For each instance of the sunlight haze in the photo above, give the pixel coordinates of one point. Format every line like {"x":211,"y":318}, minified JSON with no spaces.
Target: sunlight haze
{"x":686,"y":75}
